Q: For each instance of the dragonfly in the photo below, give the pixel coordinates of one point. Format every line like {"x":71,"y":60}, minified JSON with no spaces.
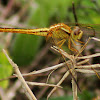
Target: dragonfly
{"x":59,"y":33}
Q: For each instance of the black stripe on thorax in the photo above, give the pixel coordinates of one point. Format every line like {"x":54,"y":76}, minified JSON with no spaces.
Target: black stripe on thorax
{"x":66,"y":32}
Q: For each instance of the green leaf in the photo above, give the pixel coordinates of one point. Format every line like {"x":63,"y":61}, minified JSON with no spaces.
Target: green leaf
{"x":5,"y":70}
{"x":25,"y":47}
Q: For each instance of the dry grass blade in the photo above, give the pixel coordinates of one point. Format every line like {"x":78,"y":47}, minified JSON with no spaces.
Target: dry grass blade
{"x":28,"y":92}
{"x":86,"y":71}
{"x":59,"y":83}
{"x":88,"y":66}
{"x":96,"y":39}
{"x":43,"y":84}
{"x":45,"y":69}
{"x":89,"y":56}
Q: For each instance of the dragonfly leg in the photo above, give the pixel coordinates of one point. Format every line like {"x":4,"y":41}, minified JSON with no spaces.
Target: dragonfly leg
{"x":79,"y":41}
{"x":60,"y":43}
{"x":69,"y":46}
{"x":75,"y":43}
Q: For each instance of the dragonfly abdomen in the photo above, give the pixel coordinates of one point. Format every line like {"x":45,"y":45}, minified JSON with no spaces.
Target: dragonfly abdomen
{"x":41,"y":31}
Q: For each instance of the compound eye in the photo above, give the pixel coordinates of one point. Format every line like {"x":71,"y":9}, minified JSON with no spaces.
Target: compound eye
{"x":76,"y":31}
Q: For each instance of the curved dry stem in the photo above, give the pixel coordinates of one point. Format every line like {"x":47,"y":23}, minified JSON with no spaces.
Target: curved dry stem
{"x":59,"y":83}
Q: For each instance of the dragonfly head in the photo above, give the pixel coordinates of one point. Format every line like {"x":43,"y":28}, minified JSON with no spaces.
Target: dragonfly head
{"x":76,"y":33}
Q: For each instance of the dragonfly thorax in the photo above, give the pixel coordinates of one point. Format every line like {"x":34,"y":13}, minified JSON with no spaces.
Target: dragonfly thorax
{"x":60,"y":30}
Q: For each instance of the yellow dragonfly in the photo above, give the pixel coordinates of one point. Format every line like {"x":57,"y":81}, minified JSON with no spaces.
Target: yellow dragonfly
{"x":59,"y":33}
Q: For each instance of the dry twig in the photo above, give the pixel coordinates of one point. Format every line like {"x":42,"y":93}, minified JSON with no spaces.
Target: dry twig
{"x":28,"y":92}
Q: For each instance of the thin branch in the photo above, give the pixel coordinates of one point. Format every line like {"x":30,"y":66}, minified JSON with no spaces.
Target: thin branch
{"x":42,"y":84}
{"x":62,"y":51}
{"x":82,"y":62}
{"x":89,"y":56}
{"x":95,"y":39}
{"x":83,"y":48}
{"x":59,"y":83}
{"x":28,"y":92}
{"x":74,"y":86}
{"x":45,"y":69}
{"x":86,"y":71}
{"x":89,"y":66}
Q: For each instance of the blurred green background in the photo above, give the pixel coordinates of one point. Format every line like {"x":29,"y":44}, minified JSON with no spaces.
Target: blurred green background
{"x":37,"y":14}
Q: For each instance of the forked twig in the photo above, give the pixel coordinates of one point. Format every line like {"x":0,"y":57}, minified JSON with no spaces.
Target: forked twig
{"x":73,"y":60}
